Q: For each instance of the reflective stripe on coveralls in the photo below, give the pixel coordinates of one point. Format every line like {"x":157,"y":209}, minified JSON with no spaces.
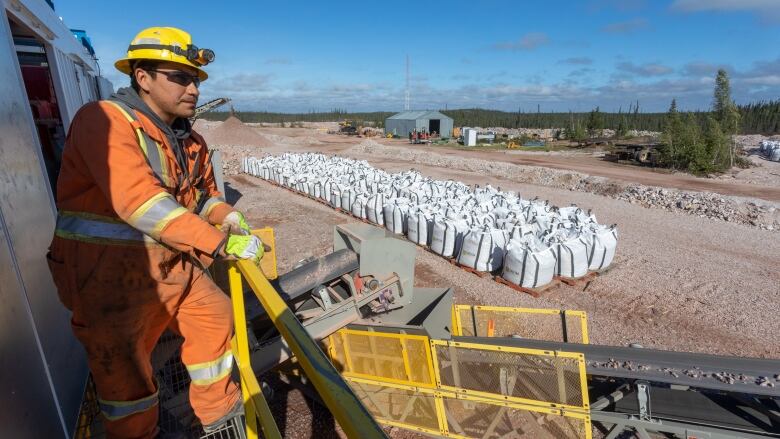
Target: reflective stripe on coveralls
{"x":99,"y":229}
{"x":152,"y":150}
{"x":152,"y":216}
{"x":210,"y":372}
{"x":114,"y":410}
{"x":209,"y":205}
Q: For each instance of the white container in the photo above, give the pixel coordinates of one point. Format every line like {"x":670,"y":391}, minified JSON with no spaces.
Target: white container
{"x":469,"y":137}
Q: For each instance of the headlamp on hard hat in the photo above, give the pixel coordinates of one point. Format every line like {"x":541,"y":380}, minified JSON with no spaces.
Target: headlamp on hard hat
{"x":199,"y":57}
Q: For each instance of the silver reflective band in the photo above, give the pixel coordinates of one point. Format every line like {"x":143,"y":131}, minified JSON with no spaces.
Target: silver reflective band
{"x":212,"y":371}
{"x":114,"y":410}
{"x":208,"y":205}
{"x":152,"y":217}
{"x":98,"y":229}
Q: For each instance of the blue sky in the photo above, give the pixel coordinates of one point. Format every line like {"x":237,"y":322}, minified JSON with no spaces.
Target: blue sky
{"x":296,"y":56}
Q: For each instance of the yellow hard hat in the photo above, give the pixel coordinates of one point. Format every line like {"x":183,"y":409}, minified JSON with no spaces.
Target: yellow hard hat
{"x":166,"y":44}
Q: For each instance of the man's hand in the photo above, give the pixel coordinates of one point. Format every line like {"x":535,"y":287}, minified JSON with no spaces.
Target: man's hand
{"x":244,"y":247}
{"x":235,"y":224}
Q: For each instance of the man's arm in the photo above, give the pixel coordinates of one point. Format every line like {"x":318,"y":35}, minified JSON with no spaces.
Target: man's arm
{"x":107,"y":143}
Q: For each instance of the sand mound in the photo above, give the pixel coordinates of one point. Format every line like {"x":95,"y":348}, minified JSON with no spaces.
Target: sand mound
{"x":233,"y":132}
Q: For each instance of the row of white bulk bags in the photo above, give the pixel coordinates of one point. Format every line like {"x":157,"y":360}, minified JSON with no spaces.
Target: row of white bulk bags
{"x":442,"y":214}
{"x":483,"y":248}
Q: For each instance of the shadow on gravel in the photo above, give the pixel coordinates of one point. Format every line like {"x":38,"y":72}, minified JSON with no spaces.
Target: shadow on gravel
{"x":231,"y":195}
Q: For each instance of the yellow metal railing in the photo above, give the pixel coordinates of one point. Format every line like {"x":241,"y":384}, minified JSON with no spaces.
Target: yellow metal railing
{"x":352,"y":416}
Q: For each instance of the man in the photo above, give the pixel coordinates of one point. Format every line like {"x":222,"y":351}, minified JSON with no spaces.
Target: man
{"x":136,"y":228}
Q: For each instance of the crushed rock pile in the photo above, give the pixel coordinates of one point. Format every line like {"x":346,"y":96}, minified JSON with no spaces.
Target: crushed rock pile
{"x":756,"y":213}
{"x":235,"y":141}
{"x":233,"y":132}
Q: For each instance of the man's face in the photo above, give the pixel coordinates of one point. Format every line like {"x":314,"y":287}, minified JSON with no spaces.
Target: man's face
{"x":172,"y":91}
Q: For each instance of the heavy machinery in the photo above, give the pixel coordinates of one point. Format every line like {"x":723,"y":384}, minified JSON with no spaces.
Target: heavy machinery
{"x":209,"y":106}
{"x":348,"y":128}
{"x":642,"y":153}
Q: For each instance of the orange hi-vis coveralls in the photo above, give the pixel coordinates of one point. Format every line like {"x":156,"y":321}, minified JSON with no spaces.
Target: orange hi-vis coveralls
{"x":133,"y":237}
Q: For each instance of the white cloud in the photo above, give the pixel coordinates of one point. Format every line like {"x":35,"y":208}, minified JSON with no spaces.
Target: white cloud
{"x":768,"y":11}
{"x":647,"y":69}
{"x":529,"y":41}
{"x":578,"y":60}
{"x":626,"y":27}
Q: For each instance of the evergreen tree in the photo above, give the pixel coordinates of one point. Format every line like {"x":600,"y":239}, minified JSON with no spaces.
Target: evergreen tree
{"x":726,"y":112}
{"x":595,"y":122}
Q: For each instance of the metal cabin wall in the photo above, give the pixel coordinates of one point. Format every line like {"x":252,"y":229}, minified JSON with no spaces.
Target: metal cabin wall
{"x":402,"y":127}
{"x":66,"y":84}
{"x":43,"y":366}
{"x":446,"y":127}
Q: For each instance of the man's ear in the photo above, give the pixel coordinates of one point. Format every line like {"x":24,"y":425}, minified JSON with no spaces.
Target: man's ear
{"x":142,"y":77}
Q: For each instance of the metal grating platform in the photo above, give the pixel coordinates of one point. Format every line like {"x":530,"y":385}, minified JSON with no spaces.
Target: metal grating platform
{"x":176,"y":415}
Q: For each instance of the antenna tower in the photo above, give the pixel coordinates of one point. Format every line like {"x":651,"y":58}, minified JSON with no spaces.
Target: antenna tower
{"x":406,"y":92}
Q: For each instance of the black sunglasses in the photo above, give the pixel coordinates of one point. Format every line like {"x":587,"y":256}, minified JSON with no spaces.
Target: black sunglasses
{"x":179,"y":77}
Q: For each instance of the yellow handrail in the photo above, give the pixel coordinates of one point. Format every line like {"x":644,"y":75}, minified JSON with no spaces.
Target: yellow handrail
{"x":255,"y":404}
{"x":350,"y":413}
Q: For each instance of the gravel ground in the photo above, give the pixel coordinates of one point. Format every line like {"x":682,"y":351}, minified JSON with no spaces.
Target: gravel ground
{"x":680,"y":281}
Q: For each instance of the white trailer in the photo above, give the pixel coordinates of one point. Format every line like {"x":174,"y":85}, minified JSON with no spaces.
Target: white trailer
{"x":47,"y":75}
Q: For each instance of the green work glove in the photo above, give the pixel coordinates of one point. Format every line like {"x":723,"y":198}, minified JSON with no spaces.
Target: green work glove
{"x":245,"y":247}
{"x":235,"y":224}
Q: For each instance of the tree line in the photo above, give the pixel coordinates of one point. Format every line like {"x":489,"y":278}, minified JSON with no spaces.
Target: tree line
{"x":755,"y":118}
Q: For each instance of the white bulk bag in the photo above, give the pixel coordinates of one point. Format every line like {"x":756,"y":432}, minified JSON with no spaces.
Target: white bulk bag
{"x":602,"y":248}
{"x":447,"y":236}
{"x":375,"y":209}
{"x":774,"y":154}
{"x":528,"y":266}
{"x":348,"y":196}
{"x":571,"y":257}
{"x":325,"y":192}
{"x":335,"y":195}
{"x":417,"y":227}
{"x":483,"y":248}
{"x":359,"y":206}
{"x":395,"y":213}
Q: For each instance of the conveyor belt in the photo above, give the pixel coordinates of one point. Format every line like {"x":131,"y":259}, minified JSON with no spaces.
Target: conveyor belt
{"x":752,"y":376}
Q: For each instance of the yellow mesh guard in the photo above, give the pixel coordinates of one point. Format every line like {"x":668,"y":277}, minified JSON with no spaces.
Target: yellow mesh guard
{"x":405,"y":408}
{"x":530,"y":323}
{"x":268,"y":263}
{"x":395,"y":358}
{"x":528,"y":376}
{"x":477,"y":419}
{"x":463,"y":390}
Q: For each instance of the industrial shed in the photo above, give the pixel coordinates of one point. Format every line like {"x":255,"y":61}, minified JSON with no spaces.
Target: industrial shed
{"x":403,"y":123}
